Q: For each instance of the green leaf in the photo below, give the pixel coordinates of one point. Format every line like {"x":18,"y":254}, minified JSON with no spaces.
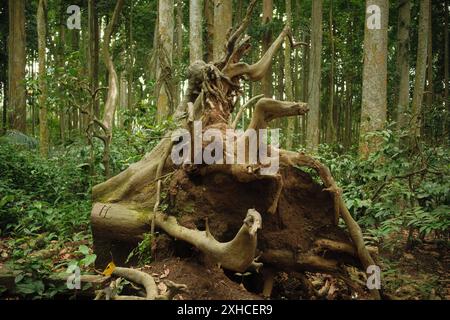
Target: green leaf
{"x":83,"y":249}
{"x":89,"y":259}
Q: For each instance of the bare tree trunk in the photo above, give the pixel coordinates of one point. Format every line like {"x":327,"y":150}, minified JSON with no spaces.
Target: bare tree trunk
{"x":330,"y":128}
{"x":112,"y":97}
{"x":421,"y":65}
{"x":288,"y":76}
{"x":403,"y":44}
{"x":209,"y":18}
{"x":195,"y":30}
{"x":266,"y":82}
{"x":178,"y":50}
{"x":130,"y":67}
{"x":446,"y":61}
{"x":75,"y":44}
{"x":16,"y":64}
{"x":374,"y":91}
{"x":93,"y":53}
{"x":42,"y":34}
{"x":164,"y":86}
{"x":314,"y":78}
{"x":60,"y":64}
{"x":223,"y":21}
{"x":429,"y":86}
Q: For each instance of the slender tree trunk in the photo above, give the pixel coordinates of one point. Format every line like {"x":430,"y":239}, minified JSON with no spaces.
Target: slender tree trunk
{"x":223,"y":21}
{"x":421,"y":65}
{"x":178,"y":50}
{"x":112,"y":96}
{"x":5,"y":73}
{"x":330,"y":128}
{"x":60,"y":64}
{"x":130,"y":65}
{"x":164,"y":87}
{"x":75,"y":35}
{"x":446,"y":62}
{"x":16,"y":64}
{"x":314,"y":78}
{"x":403,"y":44}
{"x":209,"y":18}
{"x":374,"y":91}
{"x":93,"y":53}
{"x":266,"y":81}
{"x":288,"y":76}
{"x":429,"y":87}
{"x":195,"y":30}
{"x":42,"y":34}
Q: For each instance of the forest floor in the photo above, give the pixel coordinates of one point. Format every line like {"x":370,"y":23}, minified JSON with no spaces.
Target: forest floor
{"x":422,"y":272}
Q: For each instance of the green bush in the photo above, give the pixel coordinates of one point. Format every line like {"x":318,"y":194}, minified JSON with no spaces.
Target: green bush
{"x":396,"y":188}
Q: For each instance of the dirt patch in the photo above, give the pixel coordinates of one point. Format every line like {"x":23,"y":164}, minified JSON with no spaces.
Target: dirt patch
{"x":305,"y":212}
{"x":203,"y":283}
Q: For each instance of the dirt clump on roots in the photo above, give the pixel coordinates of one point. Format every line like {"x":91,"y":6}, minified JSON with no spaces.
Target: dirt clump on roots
{"x":305,"y":212}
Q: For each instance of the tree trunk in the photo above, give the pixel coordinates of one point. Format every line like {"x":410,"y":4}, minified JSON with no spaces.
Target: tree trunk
{"x":421,"y":66}
{"x":403,"y":45}
{"x":42,"y":35}
{"x":16,"y":64}
{"x":130,"y":64}
{"x":446,"y":62}
{"x":223,"y":21}
{"x":60,"y":66}
{"x":164,"y":86}
{"x":209,"y":18}
{"x":429,"y":86}
{"x":113,"y":84}
{"x":288,"y":76}
{"x":195,"y":30}
{"x":330,"y":128}
{"x":266,"y":82}
{"x":374,"y":91}
{"x":178,"y":50}
{"x":93,"y":53}
{"x":314,"y":78}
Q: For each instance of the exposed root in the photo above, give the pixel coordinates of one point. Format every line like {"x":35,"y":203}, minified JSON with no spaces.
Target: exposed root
{"x":143,"y":279}
{"x":301,"y":159}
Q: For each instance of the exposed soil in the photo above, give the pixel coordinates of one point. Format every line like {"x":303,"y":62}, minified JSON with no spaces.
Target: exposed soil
{"x":305,"y":212}
{"x":203,"y":283}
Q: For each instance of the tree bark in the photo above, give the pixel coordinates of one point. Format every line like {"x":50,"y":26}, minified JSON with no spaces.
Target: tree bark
{"x":314,"y":78}
{"x":446,"y":62}
{"x":266,"y":82}
{"x":93,"y":53}
{"x":209,"y":18}
{"x":403,"y":45}
{"x":16,"y":64}
{"x":113,"y":84}
{"x":330,"y":128}
{"x":374,"y":91}
{"x":195,"y":30}
{"x":421,"y":65}
{"x":223,"y":19}
{"x":164,"y":86}
{"x":42,"y":35}
{"x":288,"y":76}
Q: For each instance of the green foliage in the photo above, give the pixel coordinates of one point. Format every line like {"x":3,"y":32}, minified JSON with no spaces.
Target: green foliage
{"x":43,"y":204}
{"x":143,"y":250}
{"x":396,"y":188}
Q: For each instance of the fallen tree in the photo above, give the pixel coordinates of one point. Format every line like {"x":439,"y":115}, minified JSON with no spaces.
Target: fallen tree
{"x":300,"y":217}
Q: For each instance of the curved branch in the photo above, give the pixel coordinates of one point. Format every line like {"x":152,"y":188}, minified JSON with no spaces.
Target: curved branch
{"x":242,"y":108}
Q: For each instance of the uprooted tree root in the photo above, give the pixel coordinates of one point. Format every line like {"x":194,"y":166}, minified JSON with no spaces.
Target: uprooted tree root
{"x":143,"y":279}
{"x":300,"y":218}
